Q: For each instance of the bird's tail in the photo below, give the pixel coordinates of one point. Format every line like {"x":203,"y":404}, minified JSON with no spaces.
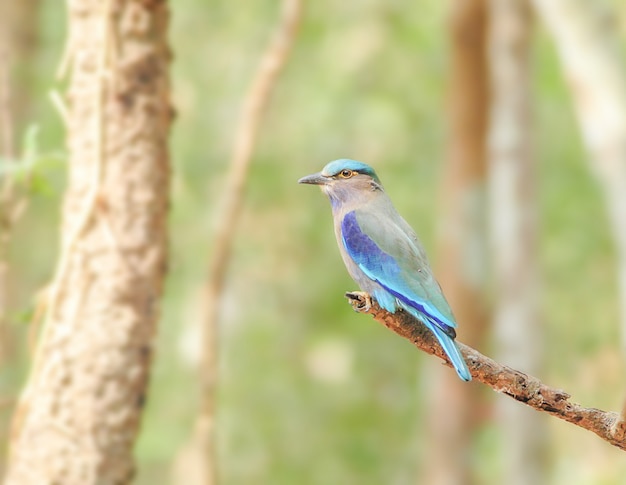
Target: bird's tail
{"x":453,"y":352}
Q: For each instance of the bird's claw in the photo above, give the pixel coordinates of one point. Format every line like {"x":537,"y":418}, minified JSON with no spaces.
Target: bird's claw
{"x":360,"y":301}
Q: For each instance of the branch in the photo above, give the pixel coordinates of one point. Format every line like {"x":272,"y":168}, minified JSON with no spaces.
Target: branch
{"x":500,"y":378}
{"x":200,"y":453}
{"x":254,"y":108}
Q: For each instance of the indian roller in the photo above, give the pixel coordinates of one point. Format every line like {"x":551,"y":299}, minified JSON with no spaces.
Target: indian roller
{"x":383,"y":254}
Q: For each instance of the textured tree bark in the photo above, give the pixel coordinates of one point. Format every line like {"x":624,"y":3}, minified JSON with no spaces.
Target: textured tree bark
{"x":513,"y":232}
{"x":501,"y":378}
{"x":595,"y":71}
{"x":455,"y":408}
{"x":79,"y":414}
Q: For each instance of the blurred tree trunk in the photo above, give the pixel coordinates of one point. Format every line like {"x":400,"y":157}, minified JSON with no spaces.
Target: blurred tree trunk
{"x":455,"y":407}
{"x":587,"y":42}
{"x":513,"y":229}
{"x":78,"y":416}
{"x":18,"y":40}
{"x":197,"y":460}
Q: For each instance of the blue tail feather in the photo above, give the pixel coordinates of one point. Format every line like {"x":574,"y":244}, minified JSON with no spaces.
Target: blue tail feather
{"x":445,"y":340}
{"x":453,"y":352}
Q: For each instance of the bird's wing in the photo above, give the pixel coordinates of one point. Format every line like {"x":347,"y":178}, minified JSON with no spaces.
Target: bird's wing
{"x":387,"y":250}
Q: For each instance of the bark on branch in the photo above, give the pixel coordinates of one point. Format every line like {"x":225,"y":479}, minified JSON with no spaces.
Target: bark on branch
{"x":521,"y":387}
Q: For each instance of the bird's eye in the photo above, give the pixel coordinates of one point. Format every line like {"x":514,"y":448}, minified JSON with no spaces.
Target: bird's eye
{"x":346,"y":174}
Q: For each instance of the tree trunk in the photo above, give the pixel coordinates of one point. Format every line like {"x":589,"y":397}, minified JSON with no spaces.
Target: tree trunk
{"x":79,"y":414}
{"x":462,"y":234}
{"x":18,"y":42}
{"x":18,"y":35}
{"x":587,"y":44}
{"x":513,"y":229}
{"x":197,"y":463}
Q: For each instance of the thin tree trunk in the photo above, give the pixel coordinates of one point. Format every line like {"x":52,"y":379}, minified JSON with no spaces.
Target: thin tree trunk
{"x":79,"y":415}
{"x":196,"y":463}
{"x":18,"y":42}
{"x":587,"y":45}
{"x":18,"y":39}
{"x":462,"y":238}
{"x":513,"y":229}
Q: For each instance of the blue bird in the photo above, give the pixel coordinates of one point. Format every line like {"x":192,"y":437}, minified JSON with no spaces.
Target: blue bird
{"x":383,"y":254}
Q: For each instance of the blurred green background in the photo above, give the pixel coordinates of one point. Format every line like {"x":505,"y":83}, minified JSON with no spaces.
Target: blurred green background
{"x":310,"y":392}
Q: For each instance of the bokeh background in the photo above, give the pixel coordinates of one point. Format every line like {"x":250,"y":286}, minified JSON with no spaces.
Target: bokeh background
{"x":310,"y":392}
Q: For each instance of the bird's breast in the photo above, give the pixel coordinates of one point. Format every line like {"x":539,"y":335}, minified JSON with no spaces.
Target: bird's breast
{"x":364,"y":282}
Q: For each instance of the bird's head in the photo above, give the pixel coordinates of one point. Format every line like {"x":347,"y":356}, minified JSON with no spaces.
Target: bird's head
{"x":345,"y":180}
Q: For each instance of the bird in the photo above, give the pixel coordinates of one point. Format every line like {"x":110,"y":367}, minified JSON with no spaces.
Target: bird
{"x":383,"y":254}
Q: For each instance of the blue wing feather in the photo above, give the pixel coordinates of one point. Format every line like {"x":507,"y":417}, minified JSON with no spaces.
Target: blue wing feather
{"x":385,"y":270}
{"x":391,"y":256}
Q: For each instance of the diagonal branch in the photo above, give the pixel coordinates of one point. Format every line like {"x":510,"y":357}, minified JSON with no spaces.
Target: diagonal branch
{"x":521,"y":387}
{"x":255,"y":106}
{"x":199,"y":454}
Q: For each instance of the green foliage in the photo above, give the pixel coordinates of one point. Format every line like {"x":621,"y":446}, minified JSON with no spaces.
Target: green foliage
{"x":33,"y":170}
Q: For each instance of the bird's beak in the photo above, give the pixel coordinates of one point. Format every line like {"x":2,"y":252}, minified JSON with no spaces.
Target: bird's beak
{"x":314,"y":179}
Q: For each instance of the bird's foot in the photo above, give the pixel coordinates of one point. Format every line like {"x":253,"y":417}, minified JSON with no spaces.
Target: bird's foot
{"x":360,"y":301}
